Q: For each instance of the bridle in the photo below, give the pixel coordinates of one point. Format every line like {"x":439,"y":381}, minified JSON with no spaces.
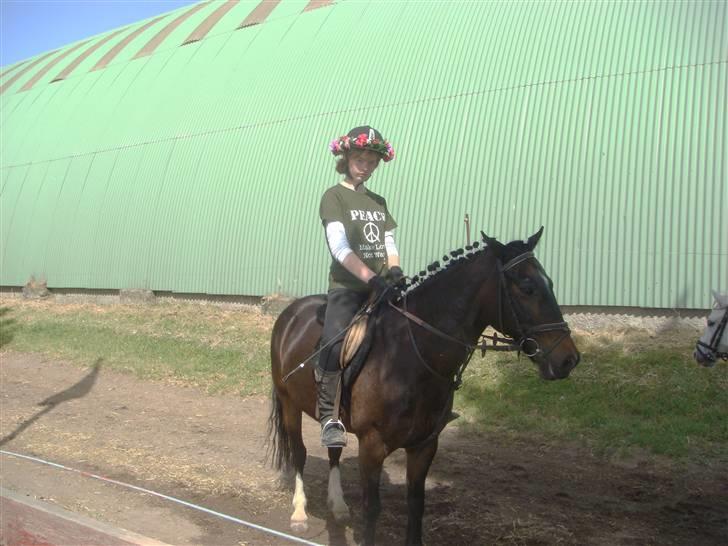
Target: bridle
{"x":525,"y":335}
{"x":709,"y":351}
{"x":507,"y":344}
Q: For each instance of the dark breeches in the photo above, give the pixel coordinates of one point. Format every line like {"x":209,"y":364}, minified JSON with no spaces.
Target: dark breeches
{"x":341,"y":307}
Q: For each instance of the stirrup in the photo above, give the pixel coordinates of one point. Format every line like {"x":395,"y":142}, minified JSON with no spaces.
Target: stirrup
{"x":333,"y":434}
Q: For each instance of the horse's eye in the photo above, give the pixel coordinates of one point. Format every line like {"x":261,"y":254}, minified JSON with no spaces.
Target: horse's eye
{"x":527,"y":287}
{"x":711,"y":323}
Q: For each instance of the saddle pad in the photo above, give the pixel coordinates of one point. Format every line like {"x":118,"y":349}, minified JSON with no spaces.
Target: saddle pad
{"x":355,"y":349}
{"x":353,"y":339}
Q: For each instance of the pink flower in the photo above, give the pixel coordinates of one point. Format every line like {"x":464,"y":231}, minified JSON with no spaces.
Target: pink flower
{"x":390,"y":153}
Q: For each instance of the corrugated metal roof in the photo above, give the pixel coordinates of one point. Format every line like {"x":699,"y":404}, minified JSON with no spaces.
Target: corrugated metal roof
{"x":209,"y":23}
{"x":15,"y":77}
{"x":159,"y":37}
{"x":606,"y":122}
{"x":12,"y":68}
{"x":128,"y":39}
{"x":53,"y":62}
{"x":259,"y":14}
{"x":315,"y":4}
{"x":85,"y":55}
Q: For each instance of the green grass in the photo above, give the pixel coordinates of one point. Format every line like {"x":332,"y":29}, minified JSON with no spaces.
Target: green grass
{"x":631,"y":390}
{"x":637,"y":392}
{"x":220,"y":350}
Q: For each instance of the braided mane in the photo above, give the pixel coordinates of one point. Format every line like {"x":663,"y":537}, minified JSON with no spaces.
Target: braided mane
{"x":452,"y":260}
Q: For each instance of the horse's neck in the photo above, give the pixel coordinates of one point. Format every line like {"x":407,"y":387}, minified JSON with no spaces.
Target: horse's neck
{"x":451,"y":304}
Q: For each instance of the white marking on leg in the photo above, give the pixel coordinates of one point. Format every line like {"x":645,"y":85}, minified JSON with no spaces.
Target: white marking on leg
{"x":299,"y":519}
{"x":336,"y":501}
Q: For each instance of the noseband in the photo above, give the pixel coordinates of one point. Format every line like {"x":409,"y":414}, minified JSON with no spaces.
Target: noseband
{"x":711,"y":350}
{"x":507,"y":344}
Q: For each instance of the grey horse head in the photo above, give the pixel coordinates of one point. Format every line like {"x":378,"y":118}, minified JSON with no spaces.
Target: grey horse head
{"x":713,"y":344}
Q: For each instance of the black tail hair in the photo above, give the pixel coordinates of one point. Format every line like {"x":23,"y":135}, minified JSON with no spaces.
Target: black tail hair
{"x":278,"y":445}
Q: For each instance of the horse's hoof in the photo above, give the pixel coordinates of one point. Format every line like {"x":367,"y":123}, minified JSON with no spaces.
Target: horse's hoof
{"x":340,"y":512}
{"x":299,"y":527}
{"x":341,"y":516}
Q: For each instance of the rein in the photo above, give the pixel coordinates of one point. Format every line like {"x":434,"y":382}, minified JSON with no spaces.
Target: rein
{"x":457,"y":382}
{"x":712,"y":347}
{"x":509,"y":344}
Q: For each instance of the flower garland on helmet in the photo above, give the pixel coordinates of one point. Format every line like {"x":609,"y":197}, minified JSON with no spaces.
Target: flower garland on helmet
{"x":363,"y":141}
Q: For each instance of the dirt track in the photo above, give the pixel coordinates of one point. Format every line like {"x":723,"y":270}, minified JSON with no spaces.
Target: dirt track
{"x":209,"y":451}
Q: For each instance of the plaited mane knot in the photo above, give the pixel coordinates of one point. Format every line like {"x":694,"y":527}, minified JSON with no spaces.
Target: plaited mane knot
{"x":449,"y":260}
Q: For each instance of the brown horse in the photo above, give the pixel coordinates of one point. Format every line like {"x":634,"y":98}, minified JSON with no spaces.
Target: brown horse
{"x":403,"y":396}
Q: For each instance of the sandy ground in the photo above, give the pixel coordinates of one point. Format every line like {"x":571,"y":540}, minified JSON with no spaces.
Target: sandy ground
{"x":209,"y":450}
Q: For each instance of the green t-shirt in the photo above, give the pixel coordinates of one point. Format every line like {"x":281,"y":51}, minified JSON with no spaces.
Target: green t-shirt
{"x":365,"y":218}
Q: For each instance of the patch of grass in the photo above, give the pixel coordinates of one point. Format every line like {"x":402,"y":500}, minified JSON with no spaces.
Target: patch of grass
{"x":221,"y":350}
{"x":639,"y":391}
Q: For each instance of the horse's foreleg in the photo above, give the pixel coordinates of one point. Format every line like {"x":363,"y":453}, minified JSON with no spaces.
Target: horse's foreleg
{"x":371,"y":457}
{"x":418,"y":464}
{"x":336,"y":501}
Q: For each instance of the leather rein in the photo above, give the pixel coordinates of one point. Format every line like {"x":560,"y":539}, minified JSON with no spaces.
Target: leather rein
{"x":712,"y":347}
{"x":507,"y":344}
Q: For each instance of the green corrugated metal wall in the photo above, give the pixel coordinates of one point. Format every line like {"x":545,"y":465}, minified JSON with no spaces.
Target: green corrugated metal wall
{"x":199,"y":168}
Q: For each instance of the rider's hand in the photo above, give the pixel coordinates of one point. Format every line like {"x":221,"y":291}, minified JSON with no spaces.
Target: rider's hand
{"x":394,"y":275}
{"x":378,"y":286}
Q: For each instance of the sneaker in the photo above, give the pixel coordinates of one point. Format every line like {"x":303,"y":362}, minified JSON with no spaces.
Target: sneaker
{"x":333,"y":434}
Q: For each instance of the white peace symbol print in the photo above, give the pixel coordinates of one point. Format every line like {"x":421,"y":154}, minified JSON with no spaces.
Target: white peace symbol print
{"x":371,"y":232}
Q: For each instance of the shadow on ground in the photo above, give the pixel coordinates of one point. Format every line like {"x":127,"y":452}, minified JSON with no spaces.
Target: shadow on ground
{"x":78,"y":390}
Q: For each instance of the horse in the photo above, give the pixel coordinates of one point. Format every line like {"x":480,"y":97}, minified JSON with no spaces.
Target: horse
{"x":713,"y":344}
{"x":403,"y":395}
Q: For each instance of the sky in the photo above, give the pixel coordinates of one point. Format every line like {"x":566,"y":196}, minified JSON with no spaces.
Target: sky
{"x":30,"y":27}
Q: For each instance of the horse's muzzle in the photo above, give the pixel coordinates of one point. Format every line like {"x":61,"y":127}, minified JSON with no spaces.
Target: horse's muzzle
{"x":704,"y":359}
{"x":551,"y":371}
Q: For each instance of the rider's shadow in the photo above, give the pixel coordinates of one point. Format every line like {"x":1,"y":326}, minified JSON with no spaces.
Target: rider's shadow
{"x":78,"y":390}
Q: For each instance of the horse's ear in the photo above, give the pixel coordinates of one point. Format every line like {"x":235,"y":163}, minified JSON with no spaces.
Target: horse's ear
{"x":533,"y":239}
{"x":722,"y":299}
{"x":494,"y":244}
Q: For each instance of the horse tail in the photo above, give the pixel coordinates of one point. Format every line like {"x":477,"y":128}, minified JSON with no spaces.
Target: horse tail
{"x":279,"y":447}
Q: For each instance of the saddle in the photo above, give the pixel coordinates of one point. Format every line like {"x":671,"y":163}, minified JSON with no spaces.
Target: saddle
{"x":356,"y":345}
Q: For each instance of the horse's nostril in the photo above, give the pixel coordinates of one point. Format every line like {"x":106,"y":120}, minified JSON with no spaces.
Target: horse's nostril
{"x":571,"y":362}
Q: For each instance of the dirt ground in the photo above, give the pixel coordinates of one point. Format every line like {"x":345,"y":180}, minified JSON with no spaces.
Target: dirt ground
{"x":208,"y":450}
